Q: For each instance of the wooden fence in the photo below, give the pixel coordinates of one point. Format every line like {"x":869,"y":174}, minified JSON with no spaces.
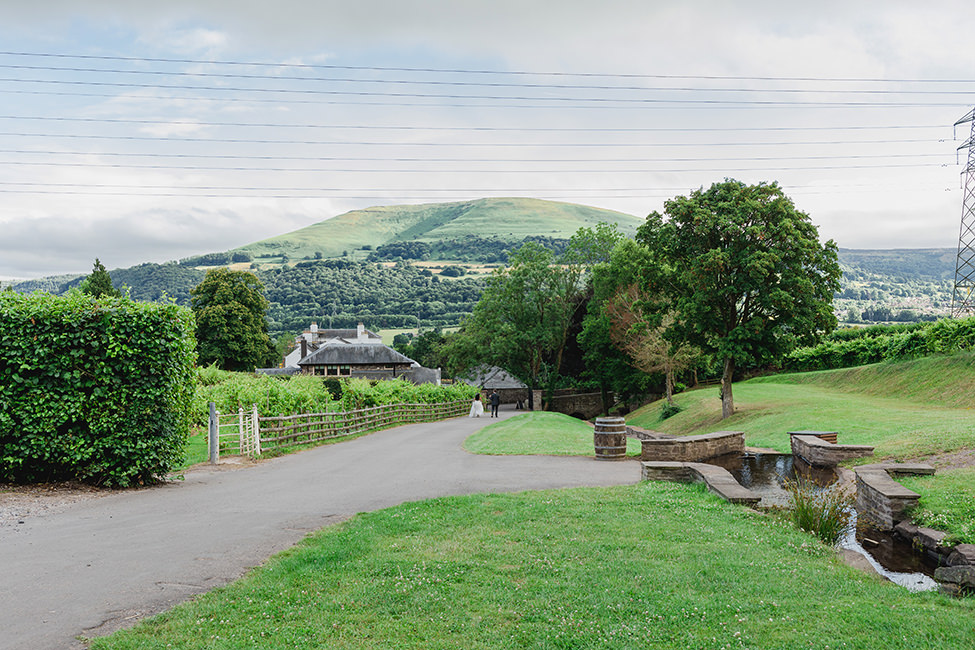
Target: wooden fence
{"x":248,"y":433}
{"x":234,"y":433}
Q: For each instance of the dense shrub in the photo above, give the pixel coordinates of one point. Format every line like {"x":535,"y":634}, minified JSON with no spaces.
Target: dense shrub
{"x":93,"y":389}
{"x":272,"y":395}
{"x":310,"y":394}
{"x":360,"y":393}
{"x":885,"y":343}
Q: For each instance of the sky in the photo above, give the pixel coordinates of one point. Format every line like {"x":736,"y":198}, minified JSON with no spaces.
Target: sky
{"x":137,"y":132}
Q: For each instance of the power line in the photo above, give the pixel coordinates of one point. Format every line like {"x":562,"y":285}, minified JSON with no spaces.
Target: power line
{"x":480,"y":84}
{"x":515,"y":98}
{"x":455,"y":170}
{"x":95,"y":136}
{"x":402,"y":127}
{"x":469,"y":160}
{"x":322,"y":66}
{"x":319,"y":171}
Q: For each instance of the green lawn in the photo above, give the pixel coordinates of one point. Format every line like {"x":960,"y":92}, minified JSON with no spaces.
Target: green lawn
{"x":539,"y":432}
{"x":654,"y":565}
{"x":899,"y":426}
{"x":197,"y":449}
{"x":947,"y":502}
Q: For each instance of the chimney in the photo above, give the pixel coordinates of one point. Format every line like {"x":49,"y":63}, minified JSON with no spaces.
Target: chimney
{"x":360,"y":331}
{"x":304,"y":348}
{"x":314,"y":328}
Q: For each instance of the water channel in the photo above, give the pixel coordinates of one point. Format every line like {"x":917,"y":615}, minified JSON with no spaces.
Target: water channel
{"x":891,"y":556}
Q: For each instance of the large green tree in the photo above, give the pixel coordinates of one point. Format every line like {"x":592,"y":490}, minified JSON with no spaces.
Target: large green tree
{"x":99,"y":282}
{"x":522,"y":320}
{"x":745,"y":273}
{"x":231,"y":328}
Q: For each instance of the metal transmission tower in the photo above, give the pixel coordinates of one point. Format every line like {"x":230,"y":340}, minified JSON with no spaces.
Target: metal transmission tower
{"x":963,"y":296}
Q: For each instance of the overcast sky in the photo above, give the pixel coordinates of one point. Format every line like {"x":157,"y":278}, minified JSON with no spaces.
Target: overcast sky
{"x":139,"y":133}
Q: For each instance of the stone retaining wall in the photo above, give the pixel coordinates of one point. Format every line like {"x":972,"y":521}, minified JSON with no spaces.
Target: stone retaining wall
{"x":881,"y":501}
{"x":719,"y":480}
{"x":820,"y":453}
{"x":693,"y":448}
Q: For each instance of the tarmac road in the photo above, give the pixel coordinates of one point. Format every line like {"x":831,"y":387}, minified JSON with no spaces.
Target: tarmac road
{"x":102,"y":564}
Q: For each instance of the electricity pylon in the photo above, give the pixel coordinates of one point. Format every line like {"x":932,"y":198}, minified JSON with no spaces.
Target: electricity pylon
{"x":963,"y":296}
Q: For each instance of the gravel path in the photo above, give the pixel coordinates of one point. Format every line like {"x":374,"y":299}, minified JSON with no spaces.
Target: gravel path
{"x":84,"y":565}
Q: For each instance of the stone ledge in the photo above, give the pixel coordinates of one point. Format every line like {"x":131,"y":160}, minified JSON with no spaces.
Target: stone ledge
{"x":881,"y":481}
{"x":646,"y":434}
{"x":719,"y":480}
{"x":821,"y":453}
{"x":692,"y":449}
{"x":962,"y":555}
{"x":962,"y":576}
{"x":901,"y":469}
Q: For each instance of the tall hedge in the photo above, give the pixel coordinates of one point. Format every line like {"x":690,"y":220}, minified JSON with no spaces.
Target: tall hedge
{"x":93,"y":389}
{"x":885,"y":344}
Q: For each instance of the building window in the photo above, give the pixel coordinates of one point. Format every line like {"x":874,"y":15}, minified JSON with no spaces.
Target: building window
{"x":333,"y":370}
{"x":318,"y":370}
{"x":345,"y":371}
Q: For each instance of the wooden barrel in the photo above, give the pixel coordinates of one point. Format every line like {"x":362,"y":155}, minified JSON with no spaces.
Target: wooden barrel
{"x":609,"y":438}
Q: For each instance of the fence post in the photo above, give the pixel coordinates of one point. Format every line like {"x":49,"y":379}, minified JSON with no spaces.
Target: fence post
{"x":214,"y":439}
{"x":257,"y":431}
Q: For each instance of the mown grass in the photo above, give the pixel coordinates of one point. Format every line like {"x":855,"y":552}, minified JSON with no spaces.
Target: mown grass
{"x":539,"y":432}
{"x":654,"y":565}
{"x":947,"y":502}
{"x":197,"y":449}
{"x":899,"y":408}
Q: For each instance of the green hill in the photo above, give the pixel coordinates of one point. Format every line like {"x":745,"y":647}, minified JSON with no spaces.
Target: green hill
{"x":508,"y":219}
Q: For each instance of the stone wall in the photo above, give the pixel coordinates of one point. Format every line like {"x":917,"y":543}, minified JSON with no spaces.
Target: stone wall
{"x":693,"y":448}
{"x":881,"y":501}
{"x":718,"y":479}
{"x":820,"y":453}
{"x":588,"y":405}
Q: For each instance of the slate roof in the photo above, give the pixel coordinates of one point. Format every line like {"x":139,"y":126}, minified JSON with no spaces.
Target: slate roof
{"x":349,"y":334}
{"x":492,"y":377}
{"x":355,"y":354}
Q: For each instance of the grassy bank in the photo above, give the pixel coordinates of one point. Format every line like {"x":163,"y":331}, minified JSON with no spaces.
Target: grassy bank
{"x":947,"y":503}
{"x":906,"y":410}
{"x":653,"y":565}
{"x":539,"y":432}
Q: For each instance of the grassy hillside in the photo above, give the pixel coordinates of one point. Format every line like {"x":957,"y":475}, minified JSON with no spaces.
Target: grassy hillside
{"x":512,"y":219}
{"x":908,"y":410}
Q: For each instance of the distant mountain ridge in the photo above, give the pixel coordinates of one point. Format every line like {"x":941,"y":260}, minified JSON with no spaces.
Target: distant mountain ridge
{"x":325,"y":270}
{"x":509,"y":219}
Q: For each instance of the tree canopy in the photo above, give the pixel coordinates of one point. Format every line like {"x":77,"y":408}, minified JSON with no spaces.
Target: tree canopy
{"x":231,"y":328}
{"x":522,"y":320}
{"x":745,"y":274}
{"x":99,"y":282}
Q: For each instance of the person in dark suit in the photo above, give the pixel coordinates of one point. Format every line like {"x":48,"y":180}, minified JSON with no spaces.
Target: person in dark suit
{"x":495,"y":402}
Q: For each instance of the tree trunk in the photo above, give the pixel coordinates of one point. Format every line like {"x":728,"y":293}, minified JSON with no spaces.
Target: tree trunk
{"x":727,"y":400}
{"x":669,"y":385}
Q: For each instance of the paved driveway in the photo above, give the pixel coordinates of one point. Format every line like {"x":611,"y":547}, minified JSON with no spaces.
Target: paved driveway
{"x":102,"y":564}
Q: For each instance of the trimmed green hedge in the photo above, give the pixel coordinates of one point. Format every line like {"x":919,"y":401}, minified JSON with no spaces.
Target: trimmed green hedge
{"x":93,"y":389}
{"x":310,"y":394}
{"x":945,"y":336}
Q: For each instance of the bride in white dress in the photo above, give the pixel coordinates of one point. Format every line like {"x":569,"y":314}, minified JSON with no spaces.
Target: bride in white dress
{"x":477,"y":407}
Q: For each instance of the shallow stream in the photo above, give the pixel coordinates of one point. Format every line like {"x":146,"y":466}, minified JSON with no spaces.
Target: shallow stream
{"x":889,"y":555}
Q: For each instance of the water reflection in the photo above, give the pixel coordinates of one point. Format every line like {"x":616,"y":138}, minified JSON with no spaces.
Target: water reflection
{"x":766,"y":473}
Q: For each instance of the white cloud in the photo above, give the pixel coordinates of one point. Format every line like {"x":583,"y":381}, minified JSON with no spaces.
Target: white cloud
{"x":45,"y":231}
